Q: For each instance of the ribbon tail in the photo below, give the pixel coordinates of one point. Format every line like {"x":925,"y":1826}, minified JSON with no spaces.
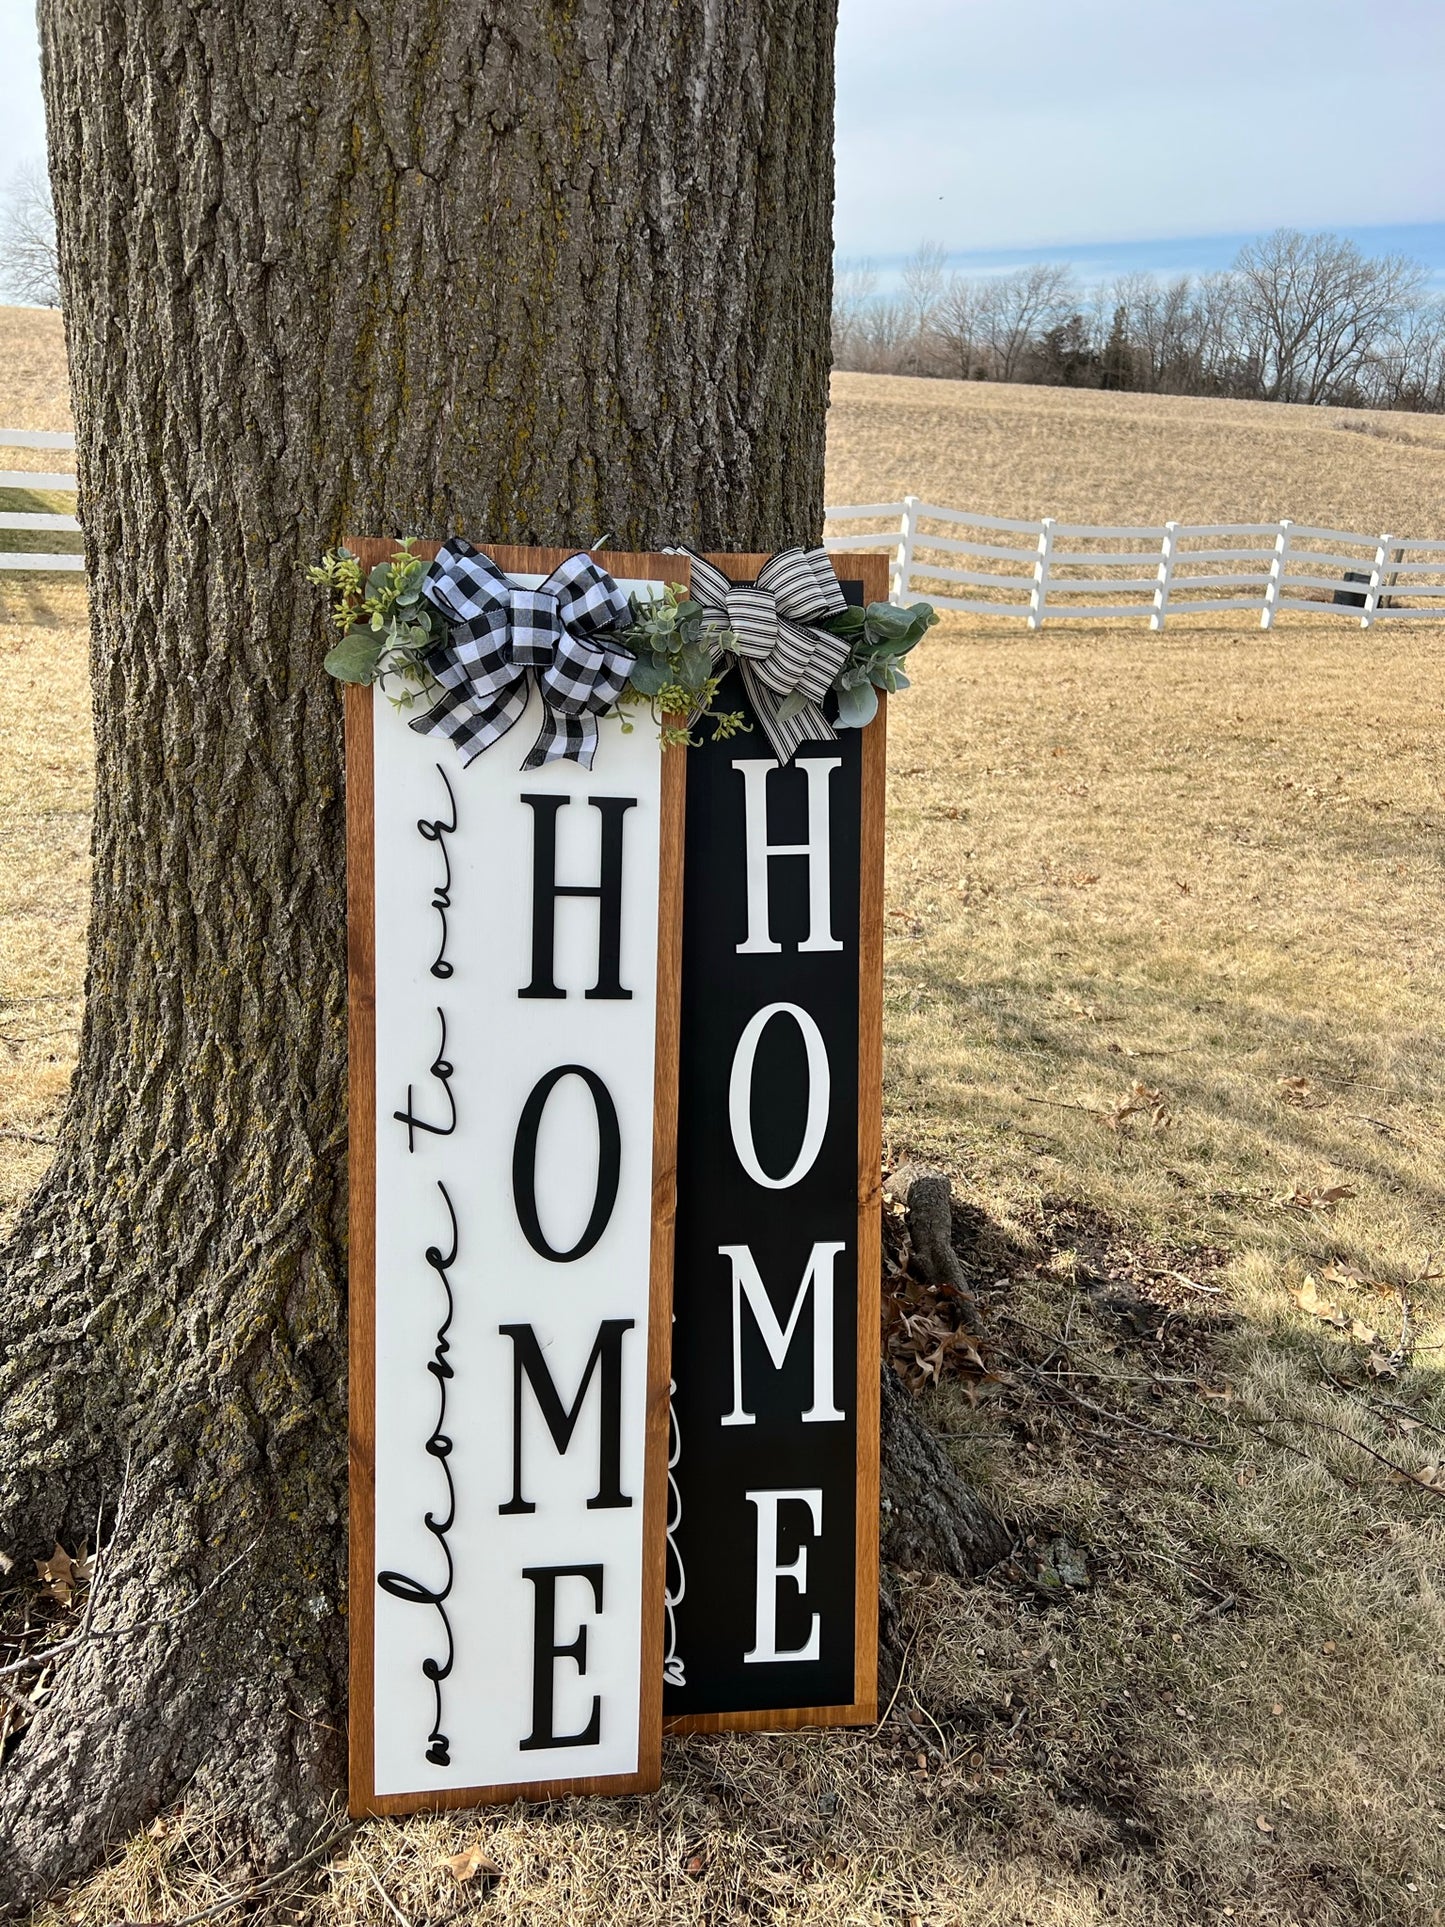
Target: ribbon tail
{"x":471,"y":726}
{"x":563,"y":739}
{"x":786,"y":733}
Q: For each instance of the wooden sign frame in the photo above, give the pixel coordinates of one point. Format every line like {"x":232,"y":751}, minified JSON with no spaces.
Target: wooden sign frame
{"x":361,"y":940}
{"x":871,"y":572}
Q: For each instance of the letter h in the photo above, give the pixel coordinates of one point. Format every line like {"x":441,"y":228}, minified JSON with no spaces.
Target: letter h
{"x":546,"y":890}
{"x":755,"y":772}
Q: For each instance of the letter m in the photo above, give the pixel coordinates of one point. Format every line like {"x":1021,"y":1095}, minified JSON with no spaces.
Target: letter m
{"x":561,"y":1421}
{"x":748,"y":1284}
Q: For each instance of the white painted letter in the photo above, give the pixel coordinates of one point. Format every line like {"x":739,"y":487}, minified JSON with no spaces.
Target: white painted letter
{"x":755,"y":772}
{"x":765,"y":1646}
{"x":748,"y":1280}
{"x":740,"y":1096}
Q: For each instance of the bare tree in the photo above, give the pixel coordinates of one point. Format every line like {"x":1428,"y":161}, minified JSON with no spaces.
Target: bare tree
{"x":1312,"y":307}
{"x":922,"y":288}
{"x":1407,"y":368}
{"x":1017,"y":308}
{"x":1304,"y":318}
{"x":29,"y":265}
{"x":855,"y":285}
{"x":956,"y":327}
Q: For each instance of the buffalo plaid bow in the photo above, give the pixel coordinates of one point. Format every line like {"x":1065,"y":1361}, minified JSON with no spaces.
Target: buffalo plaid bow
{"x":561,"y":633}
{"x":788,"y":664}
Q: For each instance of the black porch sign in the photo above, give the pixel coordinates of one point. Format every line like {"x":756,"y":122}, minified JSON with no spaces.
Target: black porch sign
{"x":765,"y":1565}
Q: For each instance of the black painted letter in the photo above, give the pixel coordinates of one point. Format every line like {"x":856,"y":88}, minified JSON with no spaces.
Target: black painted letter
{"x":546,"y":890}
{"x":561,"y":1421}
{"x":546,"y":1652}
{"x":524,"y":1163}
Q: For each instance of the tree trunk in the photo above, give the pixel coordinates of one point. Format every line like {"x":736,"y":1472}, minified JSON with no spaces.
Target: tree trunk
{"x":536,"y":272}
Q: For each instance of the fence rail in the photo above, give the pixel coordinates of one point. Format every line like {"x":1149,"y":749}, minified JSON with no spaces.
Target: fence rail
{"x":37,"y":521}
{"x":1292,"y":565}
{"x":1263,"y":566}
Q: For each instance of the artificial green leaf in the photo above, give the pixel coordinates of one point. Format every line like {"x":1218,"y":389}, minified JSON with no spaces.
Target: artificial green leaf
{"x":886,"y":622}
{"x":857,"y":706}
{"x":887,"y":675}
{"x":376,"y":581}
{"x":647,"y":676}
{"x":791,"y":706}
{"x":847,"y":622}
{"x":891,"y":645}
{"x":694,"y":666}
{"x":355,"y":657}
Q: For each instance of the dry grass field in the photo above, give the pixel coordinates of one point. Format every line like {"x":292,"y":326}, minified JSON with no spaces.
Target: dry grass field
{"x":1084,"y":456}
{"x":1164,"y":989}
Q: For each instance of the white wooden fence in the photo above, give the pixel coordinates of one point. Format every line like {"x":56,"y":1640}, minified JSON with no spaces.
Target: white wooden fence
{"x":34,"y":522}
{"x":1076,"y":571}
{"x":1042,"y":573}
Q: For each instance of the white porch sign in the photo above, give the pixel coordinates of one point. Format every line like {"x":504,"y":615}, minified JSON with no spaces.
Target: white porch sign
{"x":516,"y":918}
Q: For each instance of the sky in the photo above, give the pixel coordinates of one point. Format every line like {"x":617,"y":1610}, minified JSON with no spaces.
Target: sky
{"x":1114,"y":133}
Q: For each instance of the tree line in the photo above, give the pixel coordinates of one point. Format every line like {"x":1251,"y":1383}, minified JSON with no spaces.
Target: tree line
{"x":1296,"y":317}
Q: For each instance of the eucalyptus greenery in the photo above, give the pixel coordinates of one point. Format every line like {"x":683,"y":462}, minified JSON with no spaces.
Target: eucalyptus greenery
{"x":674,"y":673}
{"x":882,"y":636}
{"x":387,"y":625}
{"x":388,"y":628}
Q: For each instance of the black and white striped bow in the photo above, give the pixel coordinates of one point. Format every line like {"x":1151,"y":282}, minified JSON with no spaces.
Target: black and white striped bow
{"x":501,"y":635}
{"x":788,"y":664}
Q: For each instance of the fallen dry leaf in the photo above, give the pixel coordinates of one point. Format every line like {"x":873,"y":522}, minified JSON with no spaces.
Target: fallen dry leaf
{"x":61,"y":1573}
{"x":471,"y":1863}
{"x":1311,"y":1201}
{"x":1140,"y":1100}
{"x":1311,"y":1299}
{"x":1302,"y":1094}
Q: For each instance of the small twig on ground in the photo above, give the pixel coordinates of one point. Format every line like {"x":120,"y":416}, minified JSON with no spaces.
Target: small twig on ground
{"x":1142,"y":1552}
{"x":1042,"y":1378}
{"x":942,"y":1741}
{"x":1387,"y":1404}
{"x":1402,"y":1472}
{"x":375,"y":1878}
{"x":1287,"y":1445}
{"x":1214,"y":1291}
{"x":1057,"y":1104}
{"x":898,"y":1687}
{"x":17,"y":1136}
{"x":260,"y":1887}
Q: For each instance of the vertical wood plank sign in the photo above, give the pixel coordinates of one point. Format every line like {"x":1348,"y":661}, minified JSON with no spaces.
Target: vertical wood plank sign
{"x":772,"y":1593}
{"x":514,"y":941}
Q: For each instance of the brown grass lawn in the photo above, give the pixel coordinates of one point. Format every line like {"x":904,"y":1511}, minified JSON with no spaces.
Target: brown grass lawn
{"x":1084,"y":456}
{"x":1164,"y":991}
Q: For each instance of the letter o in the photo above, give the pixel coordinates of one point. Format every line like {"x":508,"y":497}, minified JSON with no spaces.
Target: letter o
{"x":524,"y":1163}
{"x":740,"y":1096}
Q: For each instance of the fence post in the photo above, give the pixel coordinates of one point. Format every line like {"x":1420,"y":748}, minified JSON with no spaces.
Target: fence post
{"x":1276,"y":575}
{"x":1039,"y":594}
{"x":1166,"y":570}
{"x":1377,"y":581}
{"x":903,"y":554}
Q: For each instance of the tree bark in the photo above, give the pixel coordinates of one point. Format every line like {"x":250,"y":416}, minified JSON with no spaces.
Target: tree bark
{"x":530,"y":271}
